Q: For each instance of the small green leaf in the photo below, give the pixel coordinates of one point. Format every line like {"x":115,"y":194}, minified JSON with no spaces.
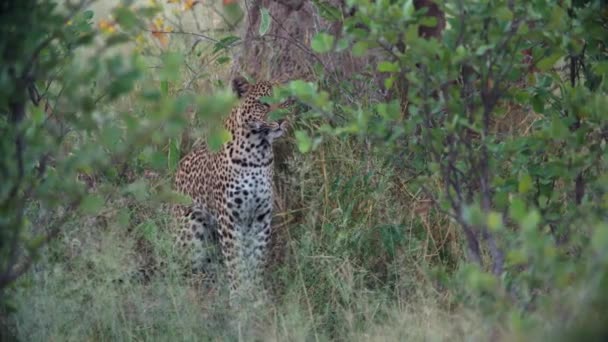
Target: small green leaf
{"x":558,"y":129}
{"x":302,"y":89}
{"x":342,"y":44}
{"x":172,"y":63}
{"x":111,"y":136}
{"x":548,"y":62}
{"x":173,"y":154}
{"x":538,"y":104}
{"x":503,"y":13}
{"x":599,"y":242}
{"x":225,"y":43}
{"x":118,"y":38}
{"x":164,"y":87}
{"x":264,"y":21}
{"x":223,"y":60}
{"x":327,"y":11}
{"x":322,"y":42}
{"x":530,"y":221}
{"x":125,"y":17}
{"x":473,"y":215}
{"x":525,"y":183}
{"x":139,"y":189}
{"x":517,"y":209}
{"x":91,"y":204}
{"x":483,"y":49}
{"x":123,"y":217}
{"x":218,"y":138}
{"x":38,"y":115}
{"x":494,"y":221}
{"x":388,"y":82}
{"x":360,"y":48}
{"x":303,"y":140}
{"x":408,"y":9}
{"x":516,"y":258}
{"x":386,"y":66}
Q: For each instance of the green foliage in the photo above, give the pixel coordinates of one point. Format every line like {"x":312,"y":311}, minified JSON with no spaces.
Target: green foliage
{"x":60,"y":125}
{"x":526,"y":200}
{"x":468,"y":201}
{"x":264,"y":21}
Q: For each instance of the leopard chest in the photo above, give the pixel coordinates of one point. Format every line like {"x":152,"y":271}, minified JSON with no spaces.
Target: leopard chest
{"x":248,"y":193}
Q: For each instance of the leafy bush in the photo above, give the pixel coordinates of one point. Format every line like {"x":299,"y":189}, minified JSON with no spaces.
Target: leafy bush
{"x":468,"y":203}
{"x":529,"y":202}
{"x":60,"y":129}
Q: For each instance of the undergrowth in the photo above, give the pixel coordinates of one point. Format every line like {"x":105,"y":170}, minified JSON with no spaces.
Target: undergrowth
{"x":367,"y":244}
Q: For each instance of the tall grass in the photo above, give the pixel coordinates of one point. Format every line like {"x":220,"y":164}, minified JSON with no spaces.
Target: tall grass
{"x":352,"y":265}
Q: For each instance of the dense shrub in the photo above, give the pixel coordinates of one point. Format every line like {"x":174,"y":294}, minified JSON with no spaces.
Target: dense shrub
{"x":469,"y":203}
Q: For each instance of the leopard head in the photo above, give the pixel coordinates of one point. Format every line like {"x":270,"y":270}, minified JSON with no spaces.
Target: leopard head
{"x":252,"y":113}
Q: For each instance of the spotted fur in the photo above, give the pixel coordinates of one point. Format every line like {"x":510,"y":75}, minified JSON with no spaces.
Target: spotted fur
{"x":232,"y":192}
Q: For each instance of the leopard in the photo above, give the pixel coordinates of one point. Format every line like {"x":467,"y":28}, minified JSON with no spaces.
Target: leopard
{"x":229,"y":219}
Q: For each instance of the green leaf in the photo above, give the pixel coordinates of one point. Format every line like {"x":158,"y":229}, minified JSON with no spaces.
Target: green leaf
{"x":388,"y":82}
{"x":599,"y":242}
{"x":327,"y":11}
{"x":538,"y":103}
{"x":558,"y":129}
{"x":517,"y":209}
{"x":225,"y":43}
{"x":483,"y":49}
{"x":38,"y":115}
{"x":118,"y":38}
{"x":515,"y":258}
{"x":360,"y":48}
{"x":125,"y":17}
{"x":149,"y":230}
{"x":473,"y":215}
{"x":213,"y":108}
{"x":303,"y":140}
{"x":278,"y":114}
{"x":548,"y":62}
{"x":91,"y":204}
{"x":164,"y":87}
{"x":123,"y":217}
{"x":408,"y":9}
{"x":304,"y":90}
{"x":494,"y":221}
{"x":525,"y":183}
{"x":223,"y":60}
{"x":322,"y":42}
{"x":173,"y":154}
{"x":530,"y":221}
{"x":428,"y":22}
{"x":139,"y":189}
{"x":386,"y":66}
{"x":218,"y":138}
{"x":503,"y":13}
{"x":264,"y":21}
{"x":342,"y":44}
{"x":111,"y":136}
{"x":172,"y":63}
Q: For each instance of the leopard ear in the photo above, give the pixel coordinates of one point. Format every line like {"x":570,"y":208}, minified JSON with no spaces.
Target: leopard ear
{"x":240,"y":86}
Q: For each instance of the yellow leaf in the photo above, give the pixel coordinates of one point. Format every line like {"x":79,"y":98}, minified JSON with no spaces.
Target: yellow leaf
{"x":160,"y":31}
{"x":107,"y":26}
{"x":189,"y":4}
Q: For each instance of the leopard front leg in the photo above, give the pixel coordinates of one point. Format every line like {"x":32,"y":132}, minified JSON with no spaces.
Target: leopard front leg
{"x":244,"y":247}
{"x":229,"y":251}
{"x":259,"y":240}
